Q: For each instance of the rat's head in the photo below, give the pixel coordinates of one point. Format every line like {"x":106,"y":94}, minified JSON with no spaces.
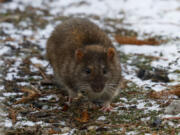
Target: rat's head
{"x":98,"y":69}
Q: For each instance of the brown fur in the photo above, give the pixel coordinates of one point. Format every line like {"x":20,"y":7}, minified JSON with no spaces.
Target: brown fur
{"x":84,"y":59}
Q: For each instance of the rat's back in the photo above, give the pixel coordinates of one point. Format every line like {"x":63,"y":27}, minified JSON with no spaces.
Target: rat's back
{"x":76,"y":33}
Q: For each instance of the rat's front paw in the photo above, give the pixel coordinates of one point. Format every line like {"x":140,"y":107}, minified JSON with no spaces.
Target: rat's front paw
{"x":106,"y":107}
{"x":69,"y":101}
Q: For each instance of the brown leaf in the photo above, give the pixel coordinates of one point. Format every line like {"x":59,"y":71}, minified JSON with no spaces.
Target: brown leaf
{"x":52,"y":131}
{"x":172,"y":118}
{"x":84,"y":117}
{"x":13,"y":115}
{"x":135,"y":41}
{"x":174,"y":90}
{"x":32,"y":94}
{"x":9,"y":39}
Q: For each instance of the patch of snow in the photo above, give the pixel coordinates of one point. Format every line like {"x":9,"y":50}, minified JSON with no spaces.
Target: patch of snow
{"x":30,"y":123}
{"x":168,"y":115}
{"x":131,"y":133}
{"x":145,"y":84}
{"x":3,"y":50}
{"x":8,"y":94}
{"x":102,"y":118}
{"x":12,"y":72}
{"x":141,"y":105}
{"x":2,"y":98}
{"x":33,"y":68}
{"x":158,"y":17}
{"x":145,"y":119}
{"x":1,"y":87}
{"x":35,"y":60}
{"x":27,"y":32}
{"x":62,"y":123}
{"x":49,"y":71}
{"x":124,"y":99}
{"x":8,"y":123}
{"x":23,"y":83}
{"x":69,"y":133}
{"x":49,"y":97}
{"x":11,"y":76}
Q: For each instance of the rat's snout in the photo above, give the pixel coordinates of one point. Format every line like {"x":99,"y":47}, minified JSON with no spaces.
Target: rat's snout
{"x":97,"y":86}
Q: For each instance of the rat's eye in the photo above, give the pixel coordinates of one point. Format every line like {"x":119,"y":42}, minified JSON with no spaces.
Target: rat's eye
{"x":104,"y":71}
{"x":88,"y":71}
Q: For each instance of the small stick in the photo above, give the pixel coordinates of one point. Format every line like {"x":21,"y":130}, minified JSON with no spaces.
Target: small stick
{"x":172,"y":118}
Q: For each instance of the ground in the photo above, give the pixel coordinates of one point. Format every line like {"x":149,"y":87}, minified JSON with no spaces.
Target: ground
{"x":31,"y":104}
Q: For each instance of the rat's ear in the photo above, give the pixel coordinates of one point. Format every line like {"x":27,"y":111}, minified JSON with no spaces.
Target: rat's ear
{"x":111,"y":53}
{"x":79,"y":54}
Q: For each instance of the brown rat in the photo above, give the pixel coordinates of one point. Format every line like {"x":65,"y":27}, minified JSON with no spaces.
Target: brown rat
{"x":84,"y":59}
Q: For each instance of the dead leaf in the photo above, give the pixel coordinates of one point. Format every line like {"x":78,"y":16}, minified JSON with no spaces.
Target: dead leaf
{"x":9,"y":39}
{"x":174,"y":90}
{"x":13,"y":115}
{"x":135,"y":41}
{"x":32,"y":94}
{"x":52,"y":131}
{"x":172,"y":118}
{"x":84,"y":117}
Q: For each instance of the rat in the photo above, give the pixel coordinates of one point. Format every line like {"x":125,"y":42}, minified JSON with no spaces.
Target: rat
{"x":84,"y":60}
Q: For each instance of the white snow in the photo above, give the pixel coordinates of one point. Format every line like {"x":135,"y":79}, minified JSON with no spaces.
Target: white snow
{"x":3,"y":50}
{"x":35,"y":60}
{"x":30,"y":123}
{"x":102,"y":118}
{"x":8,"y":123}
{"x":8,"y":94}
{"x":49,"y":97}
{"x":12,"y":72}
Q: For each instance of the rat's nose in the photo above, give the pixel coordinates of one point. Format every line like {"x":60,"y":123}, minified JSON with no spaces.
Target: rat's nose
{"x":97,"y":86}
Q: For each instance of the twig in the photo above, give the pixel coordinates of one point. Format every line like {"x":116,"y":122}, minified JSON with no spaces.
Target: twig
{"x":41,"y":71}
{"x":172,"y":118}
{"x":32,"y":94}
{"x":13,"y":115}
{"x":9,"y":18}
